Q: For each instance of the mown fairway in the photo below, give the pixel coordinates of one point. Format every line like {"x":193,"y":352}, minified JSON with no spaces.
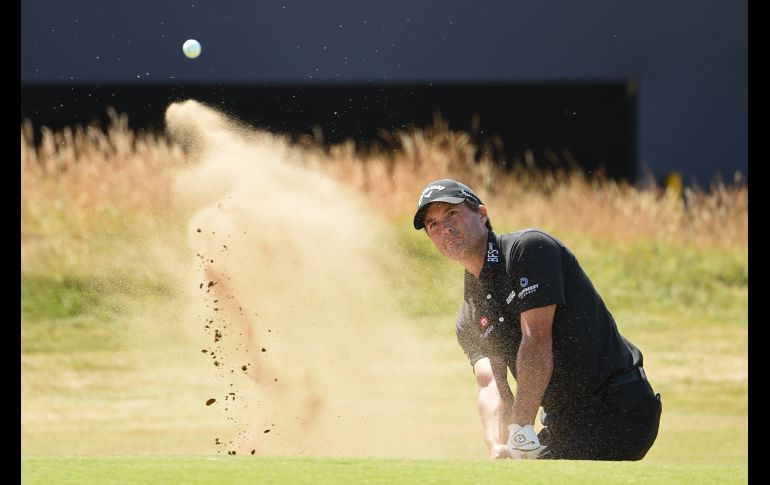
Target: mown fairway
{"x":236,"y":470}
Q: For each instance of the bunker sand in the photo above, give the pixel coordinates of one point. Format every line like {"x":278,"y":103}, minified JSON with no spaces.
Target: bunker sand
{"x":287,"y":292}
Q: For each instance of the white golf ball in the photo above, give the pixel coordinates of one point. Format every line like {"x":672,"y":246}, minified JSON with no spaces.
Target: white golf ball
{"x":191,"y":48}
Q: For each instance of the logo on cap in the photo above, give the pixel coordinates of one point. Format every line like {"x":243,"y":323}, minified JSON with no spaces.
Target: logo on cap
{"x":468,"y":195}
{"x":429,"y":191}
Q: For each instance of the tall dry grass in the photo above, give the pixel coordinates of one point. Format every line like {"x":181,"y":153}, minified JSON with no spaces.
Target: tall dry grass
{"x":567,"y":201}
{"x":94,"y":194}
{"x":91,"y":196}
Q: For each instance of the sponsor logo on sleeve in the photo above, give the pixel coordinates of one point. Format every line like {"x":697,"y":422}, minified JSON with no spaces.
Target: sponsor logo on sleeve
{"x":523,"y":281}
{"x":511,"y":297}
{"x":526,"y":291}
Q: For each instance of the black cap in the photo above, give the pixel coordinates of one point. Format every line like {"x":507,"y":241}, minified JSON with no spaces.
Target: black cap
{"x":444,"y":190}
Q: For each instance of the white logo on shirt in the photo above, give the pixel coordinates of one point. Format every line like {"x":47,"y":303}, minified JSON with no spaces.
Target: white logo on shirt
{"x":527,"y":291}
{"x":511,"y":297}
{"x":493,"y":255}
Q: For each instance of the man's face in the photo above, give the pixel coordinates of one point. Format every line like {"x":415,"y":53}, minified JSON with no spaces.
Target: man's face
{"x":455,"y":229}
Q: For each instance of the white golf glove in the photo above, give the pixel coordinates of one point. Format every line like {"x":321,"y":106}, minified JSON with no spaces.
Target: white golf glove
{"x":523,"y":443}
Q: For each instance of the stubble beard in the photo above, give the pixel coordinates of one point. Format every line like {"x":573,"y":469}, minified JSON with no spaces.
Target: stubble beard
{"x":454,"y":249}
{"x":458,"y":248}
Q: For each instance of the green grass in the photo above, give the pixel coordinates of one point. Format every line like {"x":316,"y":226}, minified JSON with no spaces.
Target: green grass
{"x":689,"y":285}
{"x":433,"y":285}
{"x":248,"y":470}
{"x":69,"y":315}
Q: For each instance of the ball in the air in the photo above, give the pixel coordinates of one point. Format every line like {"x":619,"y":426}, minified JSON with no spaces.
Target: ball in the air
{"x":191,"y":48}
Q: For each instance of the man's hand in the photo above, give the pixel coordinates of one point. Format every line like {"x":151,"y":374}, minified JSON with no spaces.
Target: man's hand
{"x":523,"y":443}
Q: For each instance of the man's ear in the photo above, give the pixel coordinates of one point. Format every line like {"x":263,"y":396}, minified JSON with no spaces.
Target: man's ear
{"x":483,"y":214}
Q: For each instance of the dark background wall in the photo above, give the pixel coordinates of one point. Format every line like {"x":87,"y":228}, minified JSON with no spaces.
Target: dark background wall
{"x":683,"y":67}
{"x":510,"y":123}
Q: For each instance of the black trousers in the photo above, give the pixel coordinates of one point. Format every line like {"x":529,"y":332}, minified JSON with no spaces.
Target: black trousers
{"x":619,"y":424}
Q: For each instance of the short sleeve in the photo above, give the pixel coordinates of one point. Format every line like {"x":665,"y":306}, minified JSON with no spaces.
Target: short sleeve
{"x":535,"y":269}
{"x":468,"y":335}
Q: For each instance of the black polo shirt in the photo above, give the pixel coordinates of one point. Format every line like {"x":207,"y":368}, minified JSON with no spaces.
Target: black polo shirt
{"x":530,"y":269}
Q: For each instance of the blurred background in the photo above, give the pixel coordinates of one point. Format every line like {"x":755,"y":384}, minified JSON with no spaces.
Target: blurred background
{"x":654,"y":88}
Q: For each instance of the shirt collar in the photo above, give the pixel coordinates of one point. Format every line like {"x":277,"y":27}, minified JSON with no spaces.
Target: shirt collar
{"x":494,"y":263}
{"x":494,"y":258}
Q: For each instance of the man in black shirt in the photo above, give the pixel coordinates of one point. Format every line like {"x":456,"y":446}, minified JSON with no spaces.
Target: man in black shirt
{"x":529,"y":307}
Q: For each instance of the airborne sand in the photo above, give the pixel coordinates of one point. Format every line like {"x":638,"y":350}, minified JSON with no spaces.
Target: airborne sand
{"x":294,"y":262}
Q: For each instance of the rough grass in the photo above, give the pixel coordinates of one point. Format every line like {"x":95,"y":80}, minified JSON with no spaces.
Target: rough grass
{"x":73,"y":314}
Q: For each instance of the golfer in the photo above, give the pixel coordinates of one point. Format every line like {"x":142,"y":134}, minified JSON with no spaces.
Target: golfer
{"x":529,"y":307}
